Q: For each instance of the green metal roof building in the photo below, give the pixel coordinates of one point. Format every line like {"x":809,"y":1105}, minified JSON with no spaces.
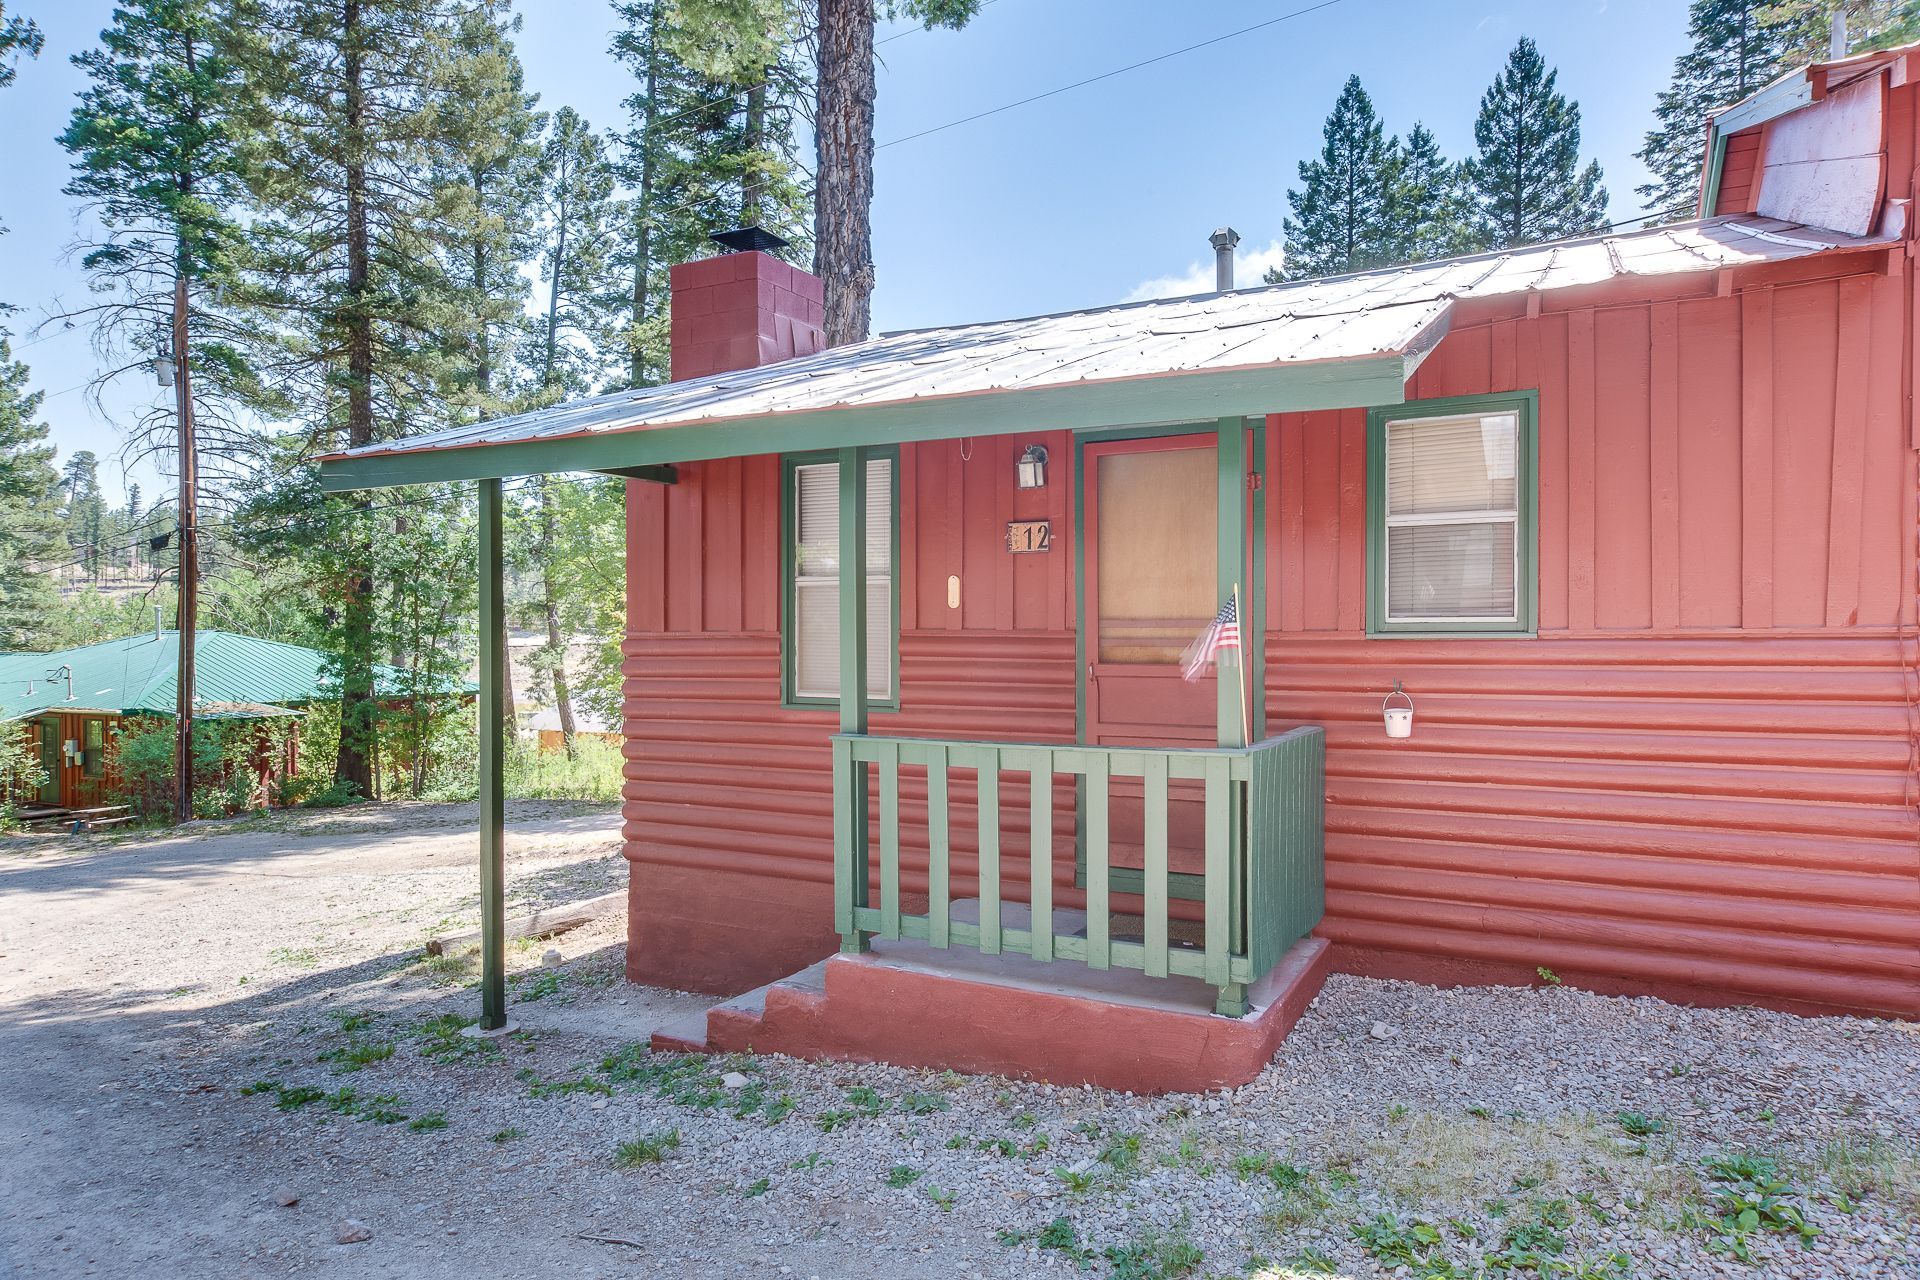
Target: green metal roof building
{"x":135,"y":676}
{"x":65,"y":701}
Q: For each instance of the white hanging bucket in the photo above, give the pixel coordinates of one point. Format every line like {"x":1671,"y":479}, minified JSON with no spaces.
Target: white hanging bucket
{"x":1399,"y":719}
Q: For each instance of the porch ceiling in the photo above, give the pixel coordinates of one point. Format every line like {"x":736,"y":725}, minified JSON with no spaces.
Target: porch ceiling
{"x":1344,"y":342}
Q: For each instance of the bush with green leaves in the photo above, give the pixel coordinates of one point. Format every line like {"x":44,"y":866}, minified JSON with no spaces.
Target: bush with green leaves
{"x":20,"y":773}
{"x":140,"y":759}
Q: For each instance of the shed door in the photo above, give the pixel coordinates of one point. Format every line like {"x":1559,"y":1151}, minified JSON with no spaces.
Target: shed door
{"x":1152,"y":551}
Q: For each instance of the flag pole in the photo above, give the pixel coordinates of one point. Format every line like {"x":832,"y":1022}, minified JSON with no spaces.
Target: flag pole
{"x":1240,"y":678}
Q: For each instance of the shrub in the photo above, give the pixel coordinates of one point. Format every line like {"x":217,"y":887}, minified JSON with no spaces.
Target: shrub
{"x":225,"y":753}
{"x":20,"y":772}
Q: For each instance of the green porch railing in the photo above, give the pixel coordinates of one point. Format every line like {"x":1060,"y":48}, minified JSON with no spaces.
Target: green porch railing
{"x":1264,"y":886}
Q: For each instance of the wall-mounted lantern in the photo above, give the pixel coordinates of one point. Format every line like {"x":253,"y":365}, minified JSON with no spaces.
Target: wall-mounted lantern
{"x":1031,"y":469}
{"x":1399,"y":719}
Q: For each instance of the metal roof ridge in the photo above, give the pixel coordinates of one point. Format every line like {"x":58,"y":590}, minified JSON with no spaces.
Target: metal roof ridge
{"x":1405,"y":267}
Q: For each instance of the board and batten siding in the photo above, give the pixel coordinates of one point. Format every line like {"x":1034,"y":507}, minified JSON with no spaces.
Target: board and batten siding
{"x":1697,"y":779}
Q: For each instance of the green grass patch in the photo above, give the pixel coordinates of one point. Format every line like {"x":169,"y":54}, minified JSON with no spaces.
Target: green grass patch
{"x":648,"y":1148}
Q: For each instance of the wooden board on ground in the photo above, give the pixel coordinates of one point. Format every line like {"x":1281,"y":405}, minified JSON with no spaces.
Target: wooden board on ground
{"x":544,"y":923}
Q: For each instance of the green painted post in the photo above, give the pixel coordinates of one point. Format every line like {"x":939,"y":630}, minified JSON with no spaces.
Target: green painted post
{"x":1232,"y":445}
{"x":939,"y":884}
{"x":1232,"y":704}
{"x":850,"y":809}
{"x":491,"y":710}
{"x":1099,"y":911}
{"x":1253,"y":627}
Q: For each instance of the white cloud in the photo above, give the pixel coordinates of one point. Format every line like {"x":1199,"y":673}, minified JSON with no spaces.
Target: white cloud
{"x":1248,"y":267}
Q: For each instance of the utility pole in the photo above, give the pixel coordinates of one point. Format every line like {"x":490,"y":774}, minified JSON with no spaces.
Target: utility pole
{"x":186,"y":618}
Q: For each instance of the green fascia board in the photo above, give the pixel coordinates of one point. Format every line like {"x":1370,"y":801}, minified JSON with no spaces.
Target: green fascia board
{"x":1355,"y":383}
{"x":1789,"y":93}
{"x":1716,"y":167}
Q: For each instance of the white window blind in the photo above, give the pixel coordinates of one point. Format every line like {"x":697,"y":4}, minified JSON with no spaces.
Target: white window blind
{"x":1453,"y":518}
{"x":816,"y":580}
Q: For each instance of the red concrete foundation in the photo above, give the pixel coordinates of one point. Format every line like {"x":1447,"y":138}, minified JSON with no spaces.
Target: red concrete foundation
{"x":722,"y":932}
{"x":907,"y":1005}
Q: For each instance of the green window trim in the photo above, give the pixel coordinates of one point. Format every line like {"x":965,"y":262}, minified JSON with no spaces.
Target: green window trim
{"x":1526,"y":542}
{"x":789,"y":463}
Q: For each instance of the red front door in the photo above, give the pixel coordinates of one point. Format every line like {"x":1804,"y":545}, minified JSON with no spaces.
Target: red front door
{"x":1152,"y":549}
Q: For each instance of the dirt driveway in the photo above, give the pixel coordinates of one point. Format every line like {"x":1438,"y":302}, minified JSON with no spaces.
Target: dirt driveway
{"x":198,"y":1027}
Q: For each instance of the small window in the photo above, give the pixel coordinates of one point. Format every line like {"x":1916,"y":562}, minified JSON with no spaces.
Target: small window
{"x":1451,"y":496}
{"x":93,"y":748}
{"x":813,"y":587}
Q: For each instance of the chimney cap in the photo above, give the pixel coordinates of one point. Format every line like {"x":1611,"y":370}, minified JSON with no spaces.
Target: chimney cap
{"x":1224,"y":238}
{"x":747,"y":239}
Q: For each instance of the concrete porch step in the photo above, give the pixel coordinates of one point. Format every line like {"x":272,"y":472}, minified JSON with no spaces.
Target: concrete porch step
{"x":917,"y":1006}
{"x":741,"y":1013}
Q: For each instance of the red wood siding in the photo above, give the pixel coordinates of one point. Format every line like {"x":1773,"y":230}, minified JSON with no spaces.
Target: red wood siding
{"x":1739,"y":171}
{"x":1698,"y":779}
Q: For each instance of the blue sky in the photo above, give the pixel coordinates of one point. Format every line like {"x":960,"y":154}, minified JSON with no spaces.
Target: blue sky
{"x":1092,"y":196}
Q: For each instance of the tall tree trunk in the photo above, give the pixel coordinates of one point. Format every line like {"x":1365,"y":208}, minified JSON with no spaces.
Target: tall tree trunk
{"x":843,"y":145}
{"x":357,"y":709}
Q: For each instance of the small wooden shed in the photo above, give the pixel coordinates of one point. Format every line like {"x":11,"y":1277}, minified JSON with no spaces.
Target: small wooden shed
{"x":1628,"y":520}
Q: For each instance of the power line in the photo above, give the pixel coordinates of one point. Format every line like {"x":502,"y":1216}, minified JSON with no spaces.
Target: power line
{"x":1050,"y":93}
{"x":1108,"y":75}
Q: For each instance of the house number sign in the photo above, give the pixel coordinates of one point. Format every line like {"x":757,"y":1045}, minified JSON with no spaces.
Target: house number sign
{"x":1029,"y":535}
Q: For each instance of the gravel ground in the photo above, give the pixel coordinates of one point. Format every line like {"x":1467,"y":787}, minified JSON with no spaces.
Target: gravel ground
{"x":195,"y":1028}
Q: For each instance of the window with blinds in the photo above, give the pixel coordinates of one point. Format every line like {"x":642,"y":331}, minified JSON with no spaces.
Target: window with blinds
{"x":1453,"y":520}
{"x":814,"y":610}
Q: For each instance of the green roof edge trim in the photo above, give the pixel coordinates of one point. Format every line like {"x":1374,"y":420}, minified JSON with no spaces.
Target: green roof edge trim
{"x":1353,"y":383}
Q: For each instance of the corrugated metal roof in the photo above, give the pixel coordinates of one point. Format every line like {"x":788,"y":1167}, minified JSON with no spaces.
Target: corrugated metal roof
{"x":1400,"y":310}
{"x":136,"y":674}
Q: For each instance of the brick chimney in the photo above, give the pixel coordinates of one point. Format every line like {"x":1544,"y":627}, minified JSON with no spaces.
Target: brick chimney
{"x":742,"y":309}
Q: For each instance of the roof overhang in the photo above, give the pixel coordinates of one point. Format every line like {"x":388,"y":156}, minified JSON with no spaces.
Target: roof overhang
{"x":1166,"y":398}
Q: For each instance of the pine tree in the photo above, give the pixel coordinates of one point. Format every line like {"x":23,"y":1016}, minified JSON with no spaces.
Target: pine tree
{"x":83,"y":508}
{"x":349,"y":281}
{"x":579,"y":217}
{"x":1736,"y":49}
{"x":157,"y":153}
{"x":483,"y":137}
{"x":17,"y":36}
{"x":31,"y":529}
{"x":1341,"y":220}
{"x":1805,"y":26}
{"x":708,"y":146}
{"x":1526,"y":183}
{"x":1426,"y":212}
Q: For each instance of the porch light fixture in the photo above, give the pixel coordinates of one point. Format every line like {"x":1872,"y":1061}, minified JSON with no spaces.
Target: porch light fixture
{"x":1031,"y":469}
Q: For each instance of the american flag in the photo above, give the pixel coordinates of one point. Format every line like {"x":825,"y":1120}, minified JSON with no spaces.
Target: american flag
{"x":1222,"y":633}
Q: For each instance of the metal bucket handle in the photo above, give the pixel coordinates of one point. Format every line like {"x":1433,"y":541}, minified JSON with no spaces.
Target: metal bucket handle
{"x":1398,"y":692}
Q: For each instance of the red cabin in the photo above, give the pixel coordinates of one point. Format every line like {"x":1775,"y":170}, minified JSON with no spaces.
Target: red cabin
{"x":1629,"y":521}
